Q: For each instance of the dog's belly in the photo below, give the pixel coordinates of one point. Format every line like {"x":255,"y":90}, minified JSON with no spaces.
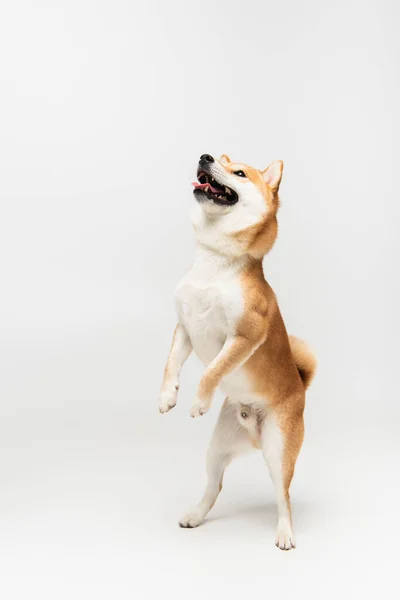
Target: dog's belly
{"x":237,"y":386}
{"x":202,"y":314}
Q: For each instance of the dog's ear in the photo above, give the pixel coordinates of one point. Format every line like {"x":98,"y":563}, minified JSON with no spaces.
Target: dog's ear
{"x":272,"y":175}
{"x":225,"y":159}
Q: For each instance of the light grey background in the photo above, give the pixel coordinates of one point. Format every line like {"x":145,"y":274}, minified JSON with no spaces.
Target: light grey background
{"x":105,"y":109}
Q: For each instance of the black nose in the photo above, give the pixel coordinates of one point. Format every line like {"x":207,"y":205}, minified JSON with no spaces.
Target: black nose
{"x":206,"y":158}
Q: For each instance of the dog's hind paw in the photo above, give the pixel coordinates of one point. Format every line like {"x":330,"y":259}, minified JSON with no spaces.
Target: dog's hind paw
{"x":285,"y":539}
{"x":191,"y":520}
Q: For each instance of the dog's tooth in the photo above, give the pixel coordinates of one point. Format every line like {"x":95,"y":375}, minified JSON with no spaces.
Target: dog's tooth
{"x":228,"y":191}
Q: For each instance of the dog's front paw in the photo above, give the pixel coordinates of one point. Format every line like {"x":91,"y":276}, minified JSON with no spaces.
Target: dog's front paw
{"x":168,"y":398}
{"x":199,"y":407}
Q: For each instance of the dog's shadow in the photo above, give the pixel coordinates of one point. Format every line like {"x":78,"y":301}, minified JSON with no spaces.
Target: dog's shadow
{"x":266,"y":514}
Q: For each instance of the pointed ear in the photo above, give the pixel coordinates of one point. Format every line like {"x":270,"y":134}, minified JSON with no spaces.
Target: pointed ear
{"x":225,"y":159}
{"x":272,"y":175}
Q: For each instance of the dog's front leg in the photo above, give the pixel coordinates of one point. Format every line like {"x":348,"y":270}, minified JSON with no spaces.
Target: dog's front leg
{"x":180,"y":351}
{"x":234,"y":353}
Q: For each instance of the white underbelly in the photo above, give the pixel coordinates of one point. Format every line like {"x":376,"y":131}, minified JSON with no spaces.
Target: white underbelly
{"x":237,"y":386}
{"x":206,"y":351}
{"x":202,"y":309}
{"x":206,"y":337}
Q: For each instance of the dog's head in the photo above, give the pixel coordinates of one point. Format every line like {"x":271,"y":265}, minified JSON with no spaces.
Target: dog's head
{"x":236,"y":206}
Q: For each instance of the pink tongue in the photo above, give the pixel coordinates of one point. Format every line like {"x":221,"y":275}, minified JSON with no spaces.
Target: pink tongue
{"x":199,"y":186}
{"x":202,"y":186}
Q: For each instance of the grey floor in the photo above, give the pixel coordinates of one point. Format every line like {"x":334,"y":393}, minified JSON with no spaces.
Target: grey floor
{"x":93,"y":482}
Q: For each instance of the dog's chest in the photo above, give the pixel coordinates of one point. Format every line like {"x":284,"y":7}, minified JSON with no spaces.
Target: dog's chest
{"x":208,"y":304}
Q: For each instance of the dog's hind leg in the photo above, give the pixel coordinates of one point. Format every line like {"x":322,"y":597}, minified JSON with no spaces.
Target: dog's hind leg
{"x":281,"y":438}
{"x":228,"y":440}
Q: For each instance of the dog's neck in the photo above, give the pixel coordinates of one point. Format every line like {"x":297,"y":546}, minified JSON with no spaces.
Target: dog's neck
{"x":215,"y":262}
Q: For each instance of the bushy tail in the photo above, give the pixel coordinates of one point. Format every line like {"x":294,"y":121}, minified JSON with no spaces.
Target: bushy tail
{"x":305,"y":360}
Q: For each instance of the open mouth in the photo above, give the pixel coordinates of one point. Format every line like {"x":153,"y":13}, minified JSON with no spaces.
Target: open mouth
{"x":209,"y":187}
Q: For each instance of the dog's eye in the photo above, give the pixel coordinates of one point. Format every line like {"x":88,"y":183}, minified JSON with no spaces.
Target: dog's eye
{"x":239,"y":173}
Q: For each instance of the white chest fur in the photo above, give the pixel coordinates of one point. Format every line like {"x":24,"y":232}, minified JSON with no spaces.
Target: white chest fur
{"x":209,"y":302}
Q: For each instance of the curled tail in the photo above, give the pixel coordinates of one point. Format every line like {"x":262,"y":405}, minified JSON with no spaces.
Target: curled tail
{"x":305,"y":360}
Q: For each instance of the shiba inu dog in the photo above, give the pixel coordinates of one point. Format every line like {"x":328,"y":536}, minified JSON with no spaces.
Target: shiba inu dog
{"x":228,"y":314}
